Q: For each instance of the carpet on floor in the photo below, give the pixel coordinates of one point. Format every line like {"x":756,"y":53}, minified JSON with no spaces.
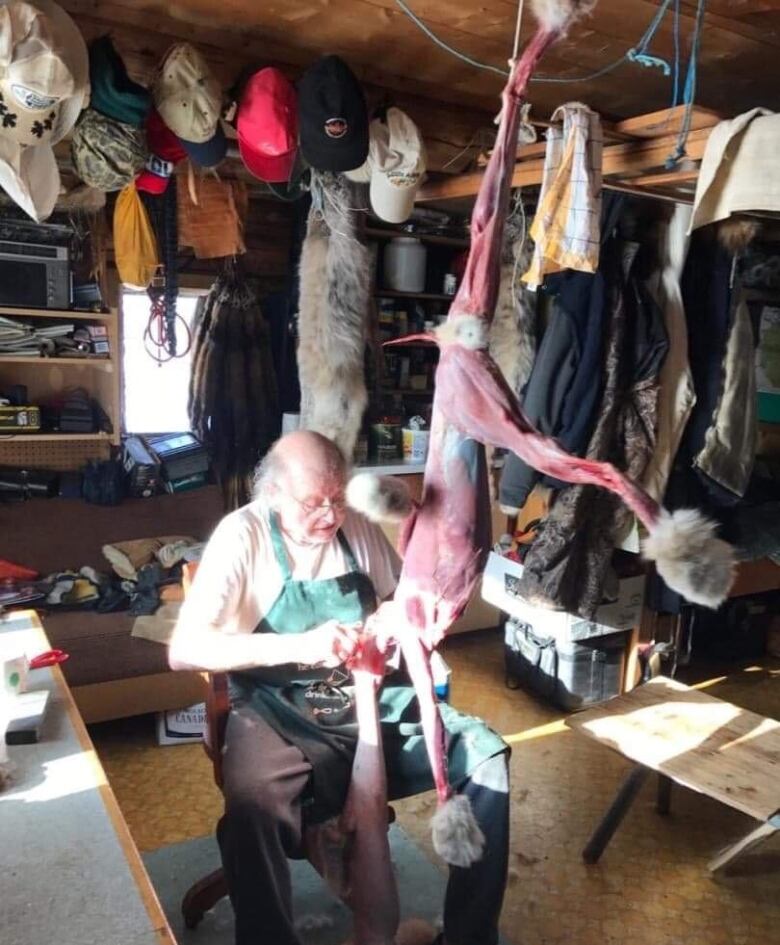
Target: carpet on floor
{"x":320,"y":917}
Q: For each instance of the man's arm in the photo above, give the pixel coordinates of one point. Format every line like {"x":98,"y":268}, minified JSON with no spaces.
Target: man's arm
{"x":208,"y":635}
{"x":204,"y":647}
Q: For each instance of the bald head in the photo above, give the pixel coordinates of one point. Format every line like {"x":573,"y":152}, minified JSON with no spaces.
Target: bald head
{"x":302,"y":480}
{"x":300,"y":459}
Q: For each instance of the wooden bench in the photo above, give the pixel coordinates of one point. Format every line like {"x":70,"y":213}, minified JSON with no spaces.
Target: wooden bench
{"x":695,"y":740}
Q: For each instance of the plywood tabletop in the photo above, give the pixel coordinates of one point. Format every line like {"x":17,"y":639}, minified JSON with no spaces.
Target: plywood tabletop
{"x":704,"y":743}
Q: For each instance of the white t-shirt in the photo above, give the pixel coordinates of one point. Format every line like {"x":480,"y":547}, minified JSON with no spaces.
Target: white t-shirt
{"x":238,"y":578}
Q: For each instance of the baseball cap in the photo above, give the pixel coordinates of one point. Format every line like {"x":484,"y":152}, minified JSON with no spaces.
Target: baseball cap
{"x":267,"y":126}
{"x":333,"y":116}
{"x":107,"y":154}
{"x":397,"y":166}
{"x":186,"y":95}
{"x":44,"y":84}
{"x":207,"y":153}
{"x":114,"y":93}
{"x":165,"y":152}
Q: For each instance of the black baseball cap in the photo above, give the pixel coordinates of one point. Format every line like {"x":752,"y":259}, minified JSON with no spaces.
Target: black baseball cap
{"x":333,"y":117}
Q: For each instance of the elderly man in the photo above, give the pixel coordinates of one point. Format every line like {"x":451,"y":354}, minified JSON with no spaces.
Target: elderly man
{"x":278,"y":601}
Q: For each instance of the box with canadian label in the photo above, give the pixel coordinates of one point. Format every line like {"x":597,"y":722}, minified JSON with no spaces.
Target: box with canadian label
{"x":500,"y":584}
{"x":181,"y":726}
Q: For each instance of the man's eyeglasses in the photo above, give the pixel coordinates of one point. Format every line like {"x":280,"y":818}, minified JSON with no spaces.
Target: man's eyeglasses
{"x":338,"y":505}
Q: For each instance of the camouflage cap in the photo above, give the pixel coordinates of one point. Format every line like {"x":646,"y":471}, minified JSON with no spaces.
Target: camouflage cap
{"x":107,"y":154}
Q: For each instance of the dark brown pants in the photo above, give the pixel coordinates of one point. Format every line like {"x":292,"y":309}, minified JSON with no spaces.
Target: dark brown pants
{"x":265,"y":779}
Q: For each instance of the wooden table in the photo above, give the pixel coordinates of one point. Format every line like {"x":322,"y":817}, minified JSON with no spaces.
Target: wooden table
{"x":71,"y":874}
{"x":695,"y":740}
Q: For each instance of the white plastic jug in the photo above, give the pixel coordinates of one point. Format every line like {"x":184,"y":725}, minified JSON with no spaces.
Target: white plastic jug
{"x":404,"y":261}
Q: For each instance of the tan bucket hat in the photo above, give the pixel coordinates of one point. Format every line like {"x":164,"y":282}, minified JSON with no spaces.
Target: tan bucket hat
{"x":44,"y":84}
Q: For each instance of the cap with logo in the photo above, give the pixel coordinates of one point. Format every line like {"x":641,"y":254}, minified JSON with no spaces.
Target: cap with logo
{"x":267,"y":126}
{"x":114,"y":93}
{"x":333,"y":116}
{"x":397,"y":166}
{"x":189,"y":101}
{"x":165,"y":152}
{"x":107,"y":154}
{"x":44,"y":84}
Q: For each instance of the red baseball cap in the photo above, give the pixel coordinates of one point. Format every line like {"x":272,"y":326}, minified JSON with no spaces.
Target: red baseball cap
{"x":165,"y":152}
{"x":267,"y":126}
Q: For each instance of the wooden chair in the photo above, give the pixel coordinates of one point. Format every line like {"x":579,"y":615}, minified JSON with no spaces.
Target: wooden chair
{"x":207,"y":892}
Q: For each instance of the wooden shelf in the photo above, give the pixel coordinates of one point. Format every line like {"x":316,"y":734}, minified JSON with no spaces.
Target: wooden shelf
{"x":102,"y":364}
{"x":430,"y":296}
{"x":406,"y":391}
{"x":60,"y":314}
{"x":375,"y":232}
{"x":762,"y":295}
{"x":54,"y":437}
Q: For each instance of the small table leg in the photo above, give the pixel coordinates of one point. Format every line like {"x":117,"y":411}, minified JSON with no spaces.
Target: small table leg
{"x":614,"y":816}
{"x":664,"y":797}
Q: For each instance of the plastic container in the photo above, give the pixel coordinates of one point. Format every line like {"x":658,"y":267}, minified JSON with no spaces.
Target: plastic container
{"x":572,"y":675}
{"x":290,"y":422}
{"x":415,"y":444}
{"x":404,"y":262}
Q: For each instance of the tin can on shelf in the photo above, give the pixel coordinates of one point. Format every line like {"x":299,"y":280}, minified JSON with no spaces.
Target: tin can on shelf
{"x":385,"y":440}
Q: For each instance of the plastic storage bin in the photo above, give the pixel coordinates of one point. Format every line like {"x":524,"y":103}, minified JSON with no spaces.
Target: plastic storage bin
{"x":404,"y":261}
{"x":570,"y":674}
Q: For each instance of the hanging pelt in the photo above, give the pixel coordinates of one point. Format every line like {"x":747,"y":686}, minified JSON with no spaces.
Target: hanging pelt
{"x":334,"y":293}
{"x":513,"y":332}
{"x":233,"y":402}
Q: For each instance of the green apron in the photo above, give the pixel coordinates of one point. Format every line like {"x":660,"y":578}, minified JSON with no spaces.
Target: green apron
{"x":314,"y":708}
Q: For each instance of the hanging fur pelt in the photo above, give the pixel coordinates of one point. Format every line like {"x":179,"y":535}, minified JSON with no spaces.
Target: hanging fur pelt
{"x":334,"y":293}
{"x":513,"y":332}
{"x":233,"y":402}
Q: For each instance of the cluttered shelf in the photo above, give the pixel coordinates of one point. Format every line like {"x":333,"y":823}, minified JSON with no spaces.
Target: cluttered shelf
{"x":101,"y":363}
{"x":390,"y":389}
{"x":394,"y":294}
{"x":434,"y":238}
{"x":51,"y":437}
{"x":59,"y":313}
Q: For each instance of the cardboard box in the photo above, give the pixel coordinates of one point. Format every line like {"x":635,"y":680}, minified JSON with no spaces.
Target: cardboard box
{"x":499,"y":587}
{"x":181,"y":726}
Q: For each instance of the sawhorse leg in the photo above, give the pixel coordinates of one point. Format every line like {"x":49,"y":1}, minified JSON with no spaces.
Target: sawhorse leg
{"x":663,"y":801}
{"x":614,"y":816}
{"x":727,"y":857}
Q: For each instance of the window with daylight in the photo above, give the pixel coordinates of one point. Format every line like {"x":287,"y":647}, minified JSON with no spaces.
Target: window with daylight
{"x":155,"y":393}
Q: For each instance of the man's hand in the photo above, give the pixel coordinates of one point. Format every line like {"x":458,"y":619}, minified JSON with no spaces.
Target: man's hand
{"x":330,"y":644}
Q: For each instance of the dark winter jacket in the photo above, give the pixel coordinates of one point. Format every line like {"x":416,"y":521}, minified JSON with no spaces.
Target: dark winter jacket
{"x":568,"y":563}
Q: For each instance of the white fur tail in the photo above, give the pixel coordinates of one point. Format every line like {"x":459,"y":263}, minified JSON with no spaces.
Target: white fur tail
{"x":558,"y":15}
{"x":690,"y":559}
{"x":379,"y":498}
{"x":457,"y":837}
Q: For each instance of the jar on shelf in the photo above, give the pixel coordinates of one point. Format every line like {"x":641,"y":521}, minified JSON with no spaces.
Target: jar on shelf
{"x":404,"y":264}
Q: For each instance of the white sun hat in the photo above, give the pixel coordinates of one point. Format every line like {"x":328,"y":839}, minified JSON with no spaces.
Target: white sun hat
{"x":44,"y":84}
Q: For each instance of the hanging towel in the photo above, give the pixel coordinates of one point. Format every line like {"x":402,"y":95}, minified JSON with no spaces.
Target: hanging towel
{"x":740,"y":170}
{"x":566,"y":226}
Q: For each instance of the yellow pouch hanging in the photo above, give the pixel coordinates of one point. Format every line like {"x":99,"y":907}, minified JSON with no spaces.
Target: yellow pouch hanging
{"x":135,"y":246}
